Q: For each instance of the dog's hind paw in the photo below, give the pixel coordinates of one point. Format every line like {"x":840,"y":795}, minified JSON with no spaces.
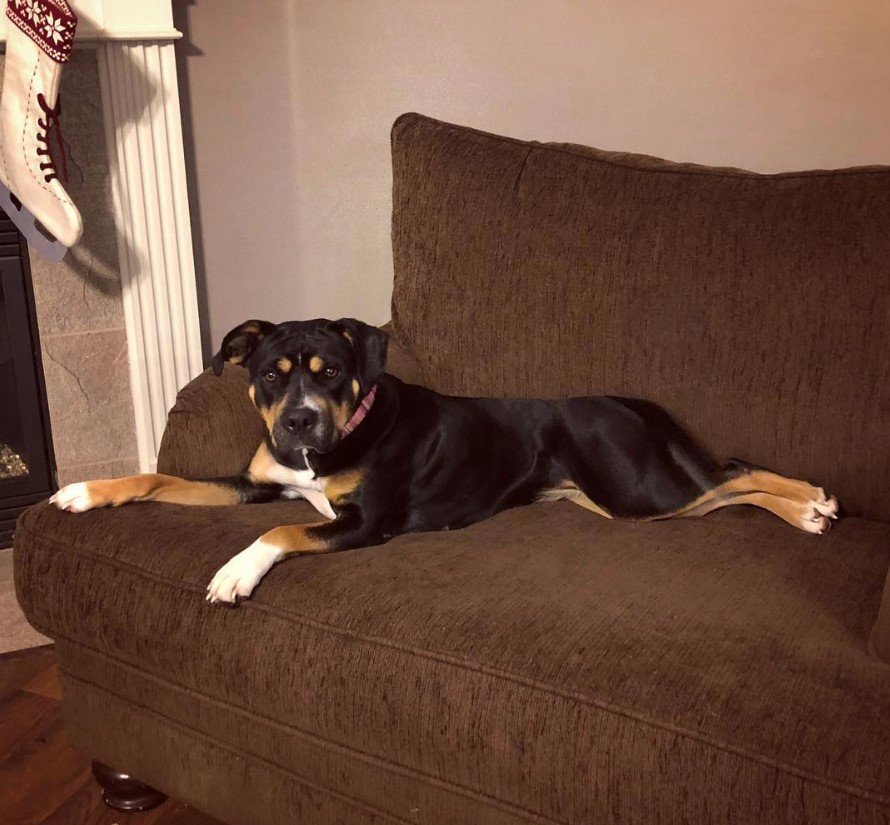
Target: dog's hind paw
{"x":74,"y":498}
{"x":818,"y":514}
{"x":826,"y":505}
{"x":241,"y":574}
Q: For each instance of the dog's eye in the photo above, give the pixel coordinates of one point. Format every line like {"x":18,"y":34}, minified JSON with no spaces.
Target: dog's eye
{"x":270,"y":375}
{"x":331,"y":371}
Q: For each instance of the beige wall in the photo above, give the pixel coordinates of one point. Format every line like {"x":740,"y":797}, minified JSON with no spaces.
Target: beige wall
{"x":292,"y":102}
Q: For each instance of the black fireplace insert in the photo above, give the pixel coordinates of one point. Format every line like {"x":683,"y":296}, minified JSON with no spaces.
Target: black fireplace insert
{"x":27,"y":468}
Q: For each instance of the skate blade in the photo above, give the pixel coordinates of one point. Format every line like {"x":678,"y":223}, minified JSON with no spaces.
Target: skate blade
{"x":36,"y":236}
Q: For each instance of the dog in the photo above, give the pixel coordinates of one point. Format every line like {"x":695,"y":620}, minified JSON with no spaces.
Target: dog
{"x":378,"y":457}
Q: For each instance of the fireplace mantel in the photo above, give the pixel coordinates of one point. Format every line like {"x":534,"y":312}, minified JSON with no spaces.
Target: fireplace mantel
{"x":103,"y":20}
{"x":134,"y":41}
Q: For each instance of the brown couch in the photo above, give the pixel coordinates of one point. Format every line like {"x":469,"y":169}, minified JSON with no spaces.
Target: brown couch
{"x":545,"y":666}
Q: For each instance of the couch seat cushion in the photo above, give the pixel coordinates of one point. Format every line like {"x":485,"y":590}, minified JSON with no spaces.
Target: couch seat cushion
{"x":543,"y":664}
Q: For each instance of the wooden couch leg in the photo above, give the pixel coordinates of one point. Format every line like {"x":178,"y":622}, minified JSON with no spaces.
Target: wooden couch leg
{"x":125,"y":793}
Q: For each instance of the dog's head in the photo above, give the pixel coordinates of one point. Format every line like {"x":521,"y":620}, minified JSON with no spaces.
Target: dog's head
{"x":307,"y":378}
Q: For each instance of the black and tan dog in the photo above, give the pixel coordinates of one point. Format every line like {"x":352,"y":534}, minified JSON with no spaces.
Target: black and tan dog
{"x":378,"y":457}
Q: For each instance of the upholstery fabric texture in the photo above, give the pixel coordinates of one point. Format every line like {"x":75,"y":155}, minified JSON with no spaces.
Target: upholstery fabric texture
{"x":879,"y":641}
{"x":213,"y":429}
{"x":754,"y":308}
{"x":547,"y":665}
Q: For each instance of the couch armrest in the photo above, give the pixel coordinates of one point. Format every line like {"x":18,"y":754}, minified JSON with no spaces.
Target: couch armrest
{"x":213,"y":429}
{"x":879,"y":641}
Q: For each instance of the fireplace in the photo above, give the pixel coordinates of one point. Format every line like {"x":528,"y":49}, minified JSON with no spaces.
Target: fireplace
{"x":26,"y":456}
{"x":118,"y":317}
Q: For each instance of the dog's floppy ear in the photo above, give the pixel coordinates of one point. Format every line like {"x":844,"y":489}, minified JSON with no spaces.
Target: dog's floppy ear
{"x":240,"y":343}
{"x":370,"y":345}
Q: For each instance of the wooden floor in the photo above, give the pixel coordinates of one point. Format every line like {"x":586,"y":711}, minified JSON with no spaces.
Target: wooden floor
{"x":43,"y":780}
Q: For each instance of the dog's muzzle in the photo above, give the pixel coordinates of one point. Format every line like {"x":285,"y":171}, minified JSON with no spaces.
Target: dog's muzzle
{"x":304,"y":427}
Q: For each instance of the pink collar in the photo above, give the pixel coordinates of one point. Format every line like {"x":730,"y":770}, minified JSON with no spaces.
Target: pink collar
{"x":359,"y":415}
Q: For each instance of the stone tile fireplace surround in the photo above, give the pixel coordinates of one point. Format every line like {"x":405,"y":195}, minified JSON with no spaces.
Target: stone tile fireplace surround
{"x":80,"y":312}
{"x":117,"y":318}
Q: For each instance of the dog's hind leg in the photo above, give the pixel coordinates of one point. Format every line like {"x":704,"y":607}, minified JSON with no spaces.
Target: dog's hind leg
{"x":800,"y":504}
{"x":803,"y":515}
{"x":763,"y":480}
{"x":638,"y":463}
{"x":569,"y":491}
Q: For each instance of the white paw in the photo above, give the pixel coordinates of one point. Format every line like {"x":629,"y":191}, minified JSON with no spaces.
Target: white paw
{"x":240,"y":574}
{"x":818,"y":514}
{"x":827,"y":506}
{"x":815,"y":523}
{"x":75,"y":498}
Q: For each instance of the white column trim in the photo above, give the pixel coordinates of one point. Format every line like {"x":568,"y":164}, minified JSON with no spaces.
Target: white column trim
{"x":143,"y":133}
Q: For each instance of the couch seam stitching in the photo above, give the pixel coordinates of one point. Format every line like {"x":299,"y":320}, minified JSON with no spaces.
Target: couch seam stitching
{"x":232,"y":752}
{"x":322,"y":742}
{"x":453,"y":661}
{"x":726,"y":172}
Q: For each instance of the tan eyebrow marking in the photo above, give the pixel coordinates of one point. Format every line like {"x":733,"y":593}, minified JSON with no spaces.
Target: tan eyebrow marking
{"x":285,"y":364}
{"x":315,"y":364}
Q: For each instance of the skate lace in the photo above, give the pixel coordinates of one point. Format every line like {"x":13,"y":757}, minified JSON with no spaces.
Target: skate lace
{"x":46,"y":126}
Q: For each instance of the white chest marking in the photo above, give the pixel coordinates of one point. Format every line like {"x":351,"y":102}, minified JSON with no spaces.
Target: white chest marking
{"x":318,"y":500}
{"x":299,"y":484}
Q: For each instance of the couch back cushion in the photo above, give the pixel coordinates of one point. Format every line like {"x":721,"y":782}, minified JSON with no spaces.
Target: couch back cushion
{"x":755,"y":308}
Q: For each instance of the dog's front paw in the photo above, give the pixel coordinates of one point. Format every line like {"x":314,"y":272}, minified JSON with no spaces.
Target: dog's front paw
{"x":76,"y":498}
{"x":240,"y":574}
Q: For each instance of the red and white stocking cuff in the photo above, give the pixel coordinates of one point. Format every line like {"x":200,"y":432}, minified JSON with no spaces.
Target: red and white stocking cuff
{"x":49,"y":23}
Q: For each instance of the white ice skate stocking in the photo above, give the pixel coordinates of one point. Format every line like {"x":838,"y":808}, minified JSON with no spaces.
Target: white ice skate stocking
{"x":39,"y":34}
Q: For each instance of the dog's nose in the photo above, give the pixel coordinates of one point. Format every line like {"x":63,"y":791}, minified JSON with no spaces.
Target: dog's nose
{"x":301,"y":420}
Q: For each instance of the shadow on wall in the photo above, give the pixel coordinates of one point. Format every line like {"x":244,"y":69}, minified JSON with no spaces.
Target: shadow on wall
{"x":95,"y":259}
{"x":184,"y":50}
